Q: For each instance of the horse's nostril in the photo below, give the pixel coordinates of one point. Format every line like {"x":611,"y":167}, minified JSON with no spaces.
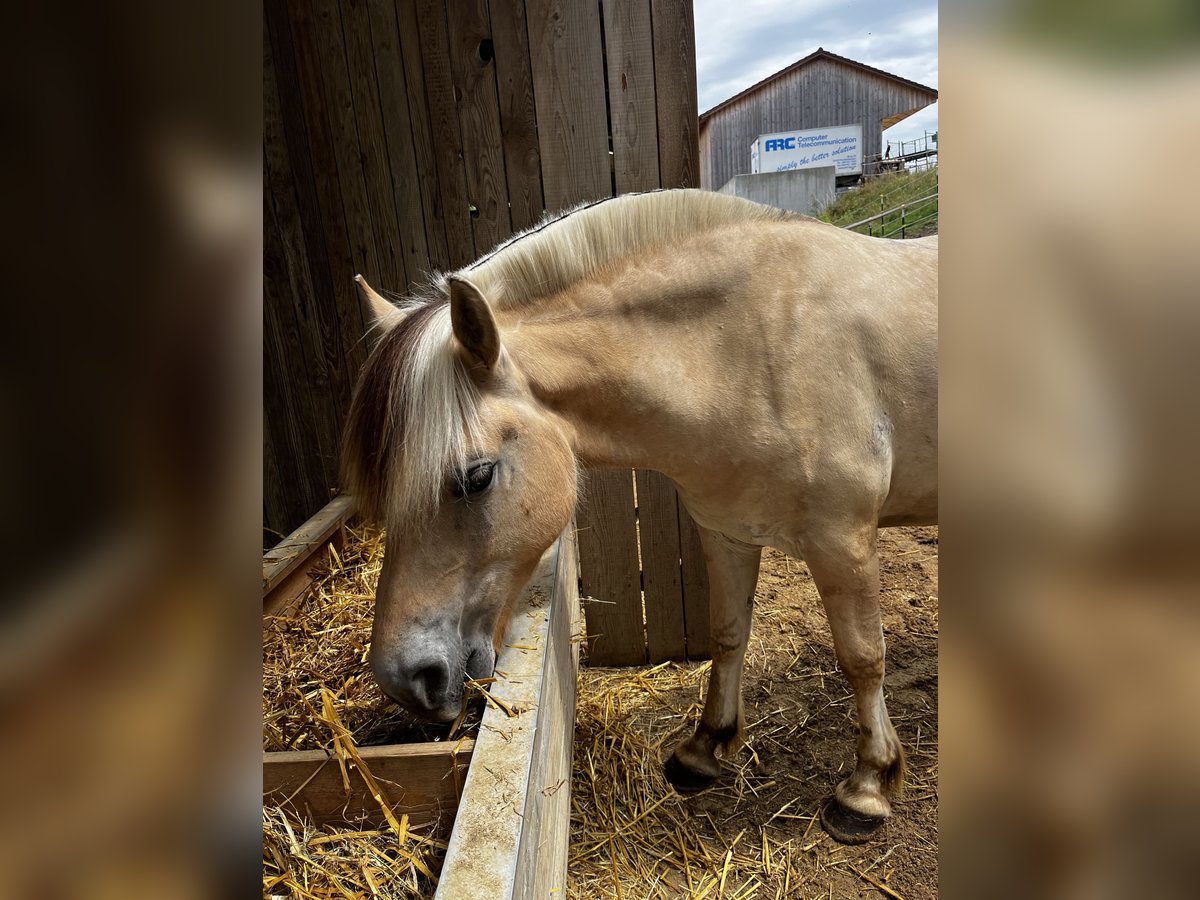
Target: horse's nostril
{"x":431,"y":682}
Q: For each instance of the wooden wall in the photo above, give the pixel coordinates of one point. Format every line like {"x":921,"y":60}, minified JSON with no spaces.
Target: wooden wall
{"x":406,"y":136}
{"x":818,"y":94}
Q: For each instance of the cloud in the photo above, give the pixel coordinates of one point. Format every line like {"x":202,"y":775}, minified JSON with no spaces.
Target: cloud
{"x":738,"y":44}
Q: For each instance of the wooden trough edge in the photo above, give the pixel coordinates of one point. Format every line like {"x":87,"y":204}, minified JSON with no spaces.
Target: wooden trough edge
{"x":422,"y":780}
{"x":288,"y":565}
{"x":510,"y":837}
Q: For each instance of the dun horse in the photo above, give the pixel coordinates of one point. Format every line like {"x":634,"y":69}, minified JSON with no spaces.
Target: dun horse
{"x":780,"y":371}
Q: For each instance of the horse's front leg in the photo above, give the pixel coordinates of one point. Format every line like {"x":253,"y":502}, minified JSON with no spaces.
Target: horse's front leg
{"x":732,"y":574}
{"x":845,"y":568}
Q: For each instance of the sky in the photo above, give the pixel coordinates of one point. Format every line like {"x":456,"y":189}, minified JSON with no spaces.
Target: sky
{"x":740,"y":42}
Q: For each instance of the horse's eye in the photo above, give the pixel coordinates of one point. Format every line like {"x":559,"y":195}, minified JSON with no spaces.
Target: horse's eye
{"x":476,"y":479}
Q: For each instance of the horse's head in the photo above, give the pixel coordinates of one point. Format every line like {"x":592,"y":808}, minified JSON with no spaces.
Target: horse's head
{"x":472,"y":477}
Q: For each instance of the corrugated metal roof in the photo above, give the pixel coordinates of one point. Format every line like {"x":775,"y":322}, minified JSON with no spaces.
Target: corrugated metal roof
{"x":819,"y":53}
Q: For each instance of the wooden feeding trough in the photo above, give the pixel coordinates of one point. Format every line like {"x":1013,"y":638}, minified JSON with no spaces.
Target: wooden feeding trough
{"x":504,"y":798}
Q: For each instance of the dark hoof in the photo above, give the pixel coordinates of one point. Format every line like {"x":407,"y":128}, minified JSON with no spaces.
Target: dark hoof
{"x":847,"y":826}
{"x":685,"y":780}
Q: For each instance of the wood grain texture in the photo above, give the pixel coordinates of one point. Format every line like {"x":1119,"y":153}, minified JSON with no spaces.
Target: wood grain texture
{"x":337,"y":102}
{"x":568,"y":84}
{"x":372,"y":143}
{"x":629,"y":52}
{"x":285,"y":375}
{"x":473,"y":64}
{"x":447,"y":139}
{"x":546,"y":832}
{"x":658,"y":532}
{"x":608,"y":564}
{"x":518,"y":116}
{"x":286,"y":264}
{"x":398,"y":134}
{"x":318,"y":128}
{"x":306,"y":541}
{"x":421,"y":780}
{"x":675,"y":93}
{"x":694,"y":571}
{"x":422,"y":132}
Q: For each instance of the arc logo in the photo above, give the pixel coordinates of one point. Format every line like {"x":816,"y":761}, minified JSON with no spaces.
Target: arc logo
{"x":788,"y":143}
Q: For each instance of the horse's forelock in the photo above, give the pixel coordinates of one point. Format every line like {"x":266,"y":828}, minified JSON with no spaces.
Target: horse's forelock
{"x":413,"y":409}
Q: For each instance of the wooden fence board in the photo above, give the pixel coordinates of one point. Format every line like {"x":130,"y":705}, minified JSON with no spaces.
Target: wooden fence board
{"x":422,"y":132}
{"x":608,"y":564}
{"x":388,"y":245}
{"x":518,"y":119}
{"x":695,"y":588}
{"x":675,"y":93}
{"x":658,"y":532}
{"x":473,"y":63}
{"x":568,"y":83}
{"x":332,"y":217}
{"x":347,"y":160}
{"x":293,"y":272}
{"x":632,"y":112}
{"x":447,"y":139}
{"x":398,"y":133}
{"x":284,"y":359}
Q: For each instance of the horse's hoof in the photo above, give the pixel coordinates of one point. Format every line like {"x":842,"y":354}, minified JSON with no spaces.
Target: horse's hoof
{"x":846,"y":826}
{"x":685,"y":780}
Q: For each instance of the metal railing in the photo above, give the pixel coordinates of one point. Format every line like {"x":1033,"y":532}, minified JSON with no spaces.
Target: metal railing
{"x":889,"y":226}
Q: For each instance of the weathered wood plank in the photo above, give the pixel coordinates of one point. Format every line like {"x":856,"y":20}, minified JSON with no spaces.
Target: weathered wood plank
{"x":292,"y":264}
{"x":658,"y":532}
{"x":675,"y":93}
{"x":473,"y":62}
{"x":518,"y":118}
{"x":324,"y":28}
{"x":422,"y":780}
{"x":568,"y":88}
{"x":545,"y":836}
{"x":629,"y":53}
{"x":482,"y":859}
{"x":447,"y":138}
{"x":285,"y":392}
{"x":695,"y":588}
{"x":422,"y":132}
{"x":328,"y":217}
{"x":398,"y":130}
{"x":608,"y":563}
{"x":306,"y":541}
{"x":372,"y":144}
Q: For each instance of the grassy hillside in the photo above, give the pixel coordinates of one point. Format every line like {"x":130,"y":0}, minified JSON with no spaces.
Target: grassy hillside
{"x":884,"y":193}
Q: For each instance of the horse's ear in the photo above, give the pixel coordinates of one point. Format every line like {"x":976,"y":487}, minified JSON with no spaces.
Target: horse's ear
{"x":474,"y":325}
{"x":379,"y":312}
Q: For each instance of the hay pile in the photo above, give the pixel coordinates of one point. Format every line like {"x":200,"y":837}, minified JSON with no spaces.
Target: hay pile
{"x":318,"y":693}
{"x":757,"y":833}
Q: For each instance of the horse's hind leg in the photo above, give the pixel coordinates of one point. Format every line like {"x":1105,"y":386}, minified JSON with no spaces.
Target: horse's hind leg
{"x":846,"y":571}
{"x":732,"y":574}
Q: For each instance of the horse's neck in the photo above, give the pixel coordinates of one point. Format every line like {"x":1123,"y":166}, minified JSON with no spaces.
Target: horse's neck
{"x":622,"y":361}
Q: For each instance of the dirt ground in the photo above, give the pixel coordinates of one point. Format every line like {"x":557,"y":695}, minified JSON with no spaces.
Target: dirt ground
{"x":755,"y":834}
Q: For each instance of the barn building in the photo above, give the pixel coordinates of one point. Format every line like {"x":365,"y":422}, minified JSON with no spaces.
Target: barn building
{"x":819,"y":91}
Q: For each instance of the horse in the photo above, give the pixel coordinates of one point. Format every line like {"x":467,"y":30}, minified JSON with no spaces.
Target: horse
{"x":780,"y":371}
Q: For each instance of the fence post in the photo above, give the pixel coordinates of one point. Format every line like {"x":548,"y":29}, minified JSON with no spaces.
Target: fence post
{"x":901,"y":223}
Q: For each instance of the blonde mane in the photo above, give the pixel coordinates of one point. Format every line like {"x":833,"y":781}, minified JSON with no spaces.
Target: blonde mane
{"x":569,"y":247}
{"x":415,"y":410}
